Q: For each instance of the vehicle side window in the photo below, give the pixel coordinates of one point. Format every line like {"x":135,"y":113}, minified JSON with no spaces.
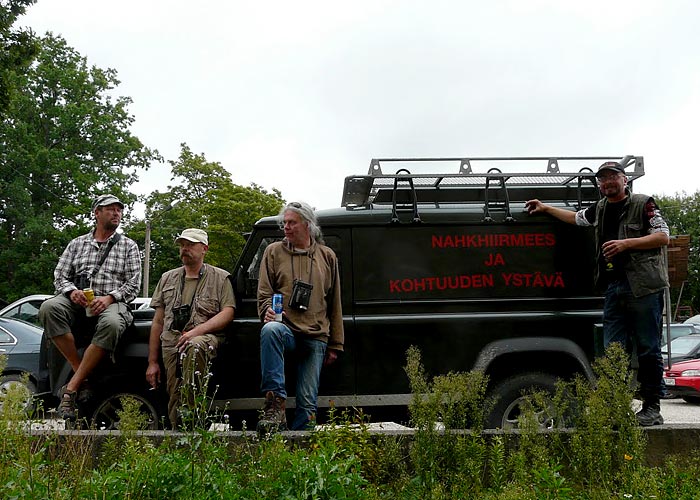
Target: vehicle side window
{"x":29,"y":311}
{"x":12,"y":313}
{"x":251,"y":275}
{"x":6,"y":338}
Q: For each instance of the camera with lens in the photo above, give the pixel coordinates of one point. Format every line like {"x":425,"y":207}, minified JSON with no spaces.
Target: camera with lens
{"x":301,"y":295}
{"x":81,"y":281}
{"x":181,"y":316}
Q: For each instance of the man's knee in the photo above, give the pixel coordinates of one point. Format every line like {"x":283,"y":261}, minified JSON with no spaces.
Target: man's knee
{"x":272,"y":331}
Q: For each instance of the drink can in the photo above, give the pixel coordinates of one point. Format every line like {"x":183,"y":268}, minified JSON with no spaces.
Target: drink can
{"x":277,"y":306}
{"x":90,"y":296}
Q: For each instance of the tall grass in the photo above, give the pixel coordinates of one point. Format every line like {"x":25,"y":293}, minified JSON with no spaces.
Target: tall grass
{"x":600,"y":455}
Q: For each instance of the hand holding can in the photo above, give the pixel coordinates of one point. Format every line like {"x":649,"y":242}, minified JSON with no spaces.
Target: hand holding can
{"x":89,"y":296}
{"x":277,"y":306}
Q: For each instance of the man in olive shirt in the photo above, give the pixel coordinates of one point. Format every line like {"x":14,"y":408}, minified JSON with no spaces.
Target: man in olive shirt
{"x":194,"y":304}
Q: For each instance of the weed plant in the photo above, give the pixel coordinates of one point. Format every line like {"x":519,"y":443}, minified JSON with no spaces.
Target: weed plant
{"x":599,"y":456}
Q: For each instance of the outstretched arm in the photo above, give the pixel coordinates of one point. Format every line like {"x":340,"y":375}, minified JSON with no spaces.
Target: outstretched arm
{"x":536,"y":206}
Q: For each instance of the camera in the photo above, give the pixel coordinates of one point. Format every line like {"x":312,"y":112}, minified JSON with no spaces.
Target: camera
{"x":301,"y":295}
{"x":181,"y":316}
{"x":81,"y":281}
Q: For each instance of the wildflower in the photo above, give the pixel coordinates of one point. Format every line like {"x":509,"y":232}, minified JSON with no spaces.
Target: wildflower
{"x":628,"y":457}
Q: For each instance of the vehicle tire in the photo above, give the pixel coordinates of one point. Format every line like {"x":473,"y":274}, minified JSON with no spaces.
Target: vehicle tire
{"x":106,"y":413}
{"x":695,"y":400}
{"x":15,"y":379}
{"x":508,"y":397}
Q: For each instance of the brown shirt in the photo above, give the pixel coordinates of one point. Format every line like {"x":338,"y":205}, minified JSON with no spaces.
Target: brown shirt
{"x":318,"y":265}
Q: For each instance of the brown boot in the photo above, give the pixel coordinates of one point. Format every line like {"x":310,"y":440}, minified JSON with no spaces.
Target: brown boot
{"x":274,"y":418}
{"x":66,"y":405}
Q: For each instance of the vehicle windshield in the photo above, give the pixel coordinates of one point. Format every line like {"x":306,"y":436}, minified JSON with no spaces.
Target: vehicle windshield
{"x":682,"y":345}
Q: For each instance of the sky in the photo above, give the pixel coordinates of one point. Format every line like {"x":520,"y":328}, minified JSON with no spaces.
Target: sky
{"x":299,"y":95}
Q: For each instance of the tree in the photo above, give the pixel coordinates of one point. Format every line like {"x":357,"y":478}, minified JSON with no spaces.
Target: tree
{"x":64,"y":140}
{"x":17,"y":48}
{"x":682,"y":212}
{"x":202,"y":195}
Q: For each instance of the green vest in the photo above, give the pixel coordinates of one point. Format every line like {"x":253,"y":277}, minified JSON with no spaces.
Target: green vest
{"x":646,"y":270}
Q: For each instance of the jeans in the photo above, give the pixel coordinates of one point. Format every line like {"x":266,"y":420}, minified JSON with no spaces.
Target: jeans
{"x":276,"y":339}
{"x":628,"y":319}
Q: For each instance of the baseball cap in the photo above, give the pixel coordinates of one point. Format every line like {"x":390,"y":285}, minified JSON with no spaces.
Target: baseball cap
{"x":194,"y":235}
{"x":106,"y":199}
{"x":612,"y":166}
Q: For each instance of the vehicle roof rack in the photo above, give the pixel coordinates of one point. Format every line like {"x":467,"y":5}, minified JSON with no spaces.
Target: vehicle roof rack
{"x":501,"y":181}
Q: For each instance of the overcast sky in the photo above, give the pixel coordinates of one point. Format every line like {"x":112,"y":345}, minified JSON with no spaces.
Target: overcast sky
{"x":299,"y":95}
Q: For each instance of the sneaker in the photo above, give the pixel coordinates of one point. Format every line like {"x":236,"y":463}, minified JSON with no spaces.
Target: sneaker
{"x":274,"y":418}
{"x":649,"y":415}
{"x":66,"y":407}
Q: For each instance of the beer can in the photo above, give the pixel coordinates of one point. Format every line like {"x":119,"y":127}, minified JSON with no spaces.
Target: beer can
{"x":277,"y":306}
{"x":90,"y":296}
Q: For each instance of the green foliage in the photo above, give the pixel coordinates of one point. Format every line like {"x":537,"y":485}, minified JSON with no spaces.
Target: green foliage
{"x":682,"y":212}
{"x":599,"y":457}
{"x":17,"y":49}
{"x":65,"y":139}
{"x":202,"y":194}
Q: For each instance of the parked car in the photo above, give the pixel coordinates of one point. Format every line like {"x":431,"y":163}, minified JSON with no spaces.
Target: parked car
{"x":683,"y":380}
{"x":450,"y":263}
{"x":682,"y":349}
{"x":27,"y":308}
{"x":680,"y":330}
{"x":20,"y":342}
{"x":694,"y":320}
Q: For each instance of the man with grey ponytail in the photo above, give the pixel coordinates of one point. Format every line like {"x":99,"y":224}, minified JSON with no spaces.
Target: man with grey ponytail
{"x":305,"y":272}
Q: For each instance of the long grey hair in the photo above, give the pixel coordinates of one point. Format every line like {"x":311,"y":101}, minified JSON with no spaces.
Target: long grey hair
{"x":306,"y":212}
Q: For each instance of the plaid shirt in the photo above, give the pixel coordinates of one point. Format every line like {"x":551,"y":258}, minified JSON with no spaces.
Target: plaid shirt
{"x":119,"y":275}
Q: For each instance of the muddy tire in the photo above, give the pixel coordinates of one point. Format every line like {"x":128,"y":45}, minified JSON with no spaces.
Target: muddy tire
{"x":508,"y":400}
{"x":105,"y":415}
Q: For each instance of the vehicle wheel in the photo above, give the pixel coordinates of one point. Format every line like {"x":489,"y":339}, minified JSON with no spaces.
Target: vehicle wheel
{"x":692,"y":399}
{"x":106,"y":414}
{"x":17,"y":380}
{"x":508,"y":398}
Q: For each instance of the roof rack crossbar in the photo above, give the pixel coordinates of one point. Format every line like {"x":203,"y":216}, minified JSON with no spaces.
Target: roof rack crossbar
{"x":569,"y":180}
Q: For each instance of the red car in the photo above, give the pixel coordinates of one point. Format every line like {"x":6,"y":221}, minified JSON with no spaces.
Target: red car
{"x":683,"y":380}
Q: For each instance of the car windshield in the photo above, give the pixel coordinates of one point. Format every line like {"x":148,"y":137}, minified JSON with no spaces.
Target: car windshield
{"x":682,"y":345}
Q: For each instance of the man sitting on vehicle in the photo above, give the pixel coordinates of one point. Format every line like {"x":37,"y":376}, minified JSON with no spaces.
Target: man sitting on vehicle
{"x":194,"y":304}
{"x":306,"y":273}
{"x":109,"y":264}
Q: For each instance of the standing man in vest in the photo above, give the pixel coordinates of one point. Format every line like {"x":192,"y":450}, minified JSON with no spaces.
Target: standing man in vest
{"x":109,"y":264}
{"x":305,"y":272}
{"x":194,"y":304}
{"x":631,"y":267}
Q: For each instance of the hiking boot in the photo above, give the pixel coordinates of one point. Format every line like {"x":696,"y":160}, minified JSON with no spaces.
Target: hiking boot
{"x":85,"y":392}
{"x":66,"y":406}
{"x":274,"y":418}
{"x":649,"y":415}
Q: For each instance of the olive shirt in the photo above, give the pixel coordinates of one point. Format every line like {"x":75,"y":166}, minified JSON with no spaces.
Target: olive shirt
{"x":317,"y":265}
{"x":213,"y":293}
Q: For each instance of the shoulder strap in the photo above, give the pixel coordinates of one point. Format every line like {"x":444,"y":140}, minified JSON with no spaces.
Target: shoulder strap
{"x":111,"y":243}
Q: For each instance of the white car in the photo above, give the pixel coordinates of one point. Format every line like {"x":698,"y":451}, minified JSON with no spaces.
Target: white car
{"x":694,"y":320}
{"x":27,"y":308}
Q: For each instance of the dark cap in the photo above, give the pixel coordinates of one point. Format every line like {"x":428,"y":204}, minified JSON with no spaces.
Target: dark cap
{"x":612,"y":166}
{"x":106,"y":199}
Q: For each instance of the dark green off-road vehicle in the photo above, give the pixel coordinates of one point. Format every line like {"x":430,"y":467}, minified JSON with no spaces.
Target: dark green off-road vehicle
{"x":449,"y":262}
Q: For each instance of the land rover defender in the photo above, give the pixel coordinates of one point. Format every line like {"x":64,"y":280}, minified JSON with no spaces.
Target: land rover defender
{"x":449,"y":262}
